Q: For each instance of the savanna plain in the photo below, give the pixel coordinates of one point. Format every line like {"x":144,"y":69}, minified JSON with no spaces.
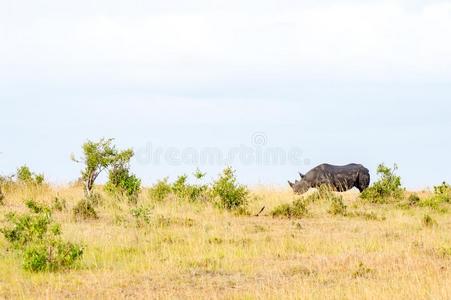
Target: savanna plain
{"x":348,"y":248}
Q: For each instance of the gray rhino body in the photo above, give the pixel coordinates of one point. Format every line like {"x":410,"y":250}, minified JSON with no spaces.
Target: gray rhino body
{"x":339,"y":178}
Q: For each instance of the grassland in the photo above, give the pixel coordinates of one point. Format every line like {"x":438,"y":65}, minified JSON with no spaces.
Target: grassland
{"x":193,"y":250}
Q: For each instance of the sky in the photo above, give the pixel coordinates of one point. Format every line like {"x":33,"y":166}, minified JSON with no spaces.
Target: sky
{"x":268,"y":87}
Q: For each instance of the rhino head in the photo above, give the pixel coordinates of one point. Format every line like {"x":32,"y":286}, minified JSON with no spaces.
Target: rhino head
{"x":300,"y":186}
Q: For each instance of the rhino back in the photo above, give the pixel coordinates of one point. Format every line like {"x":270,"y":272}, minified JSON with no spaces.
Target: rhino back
{"x":341,"y":177}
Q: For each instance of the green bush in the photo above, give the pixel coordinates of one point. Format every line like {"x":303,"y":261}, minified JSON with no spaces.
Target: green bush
{"x":24,"y":175}
{"x":442,"y":195}
{"x":27,"y":228}
{"x":297,"y":209}
{"x":160,"y":190}
{"x":192,"y":192}
{"x":337,"y":206}
{"x":37,"y":207}
{"x":413,"y":200}
{"x":180,"y":188}
{"x":38,"y":238}
{"x":59,"y":204}
{"x":121,"y":182}
{"x":84,"y":210}
{"x":51,"y":255}
{"x":386,"y":189}
{"x":443,"y":189}
{"x":142,"y":215}
{"x":434,"y":203}
{"x":229,"y":194}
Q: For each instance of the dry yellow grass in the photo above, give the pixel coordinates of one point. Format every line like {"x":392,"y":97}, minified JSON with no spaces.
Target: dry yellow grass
{"x":196,"y":251}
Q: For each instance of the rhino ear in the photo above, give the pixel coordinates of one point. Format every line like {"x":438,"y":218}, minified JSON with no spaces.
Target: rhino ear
{"x":291,"y":184}
{"x":302,"y":175}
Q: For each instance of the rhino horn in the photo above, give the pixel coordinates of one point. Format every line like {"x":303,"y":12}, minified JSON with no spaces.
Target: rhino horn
{"x":290,"y":183}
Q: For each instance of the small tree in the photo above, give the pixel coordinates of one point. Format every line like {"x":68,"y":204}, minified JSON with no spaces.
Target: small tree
{"x":99,"y":156}
{"x":24,"y":175}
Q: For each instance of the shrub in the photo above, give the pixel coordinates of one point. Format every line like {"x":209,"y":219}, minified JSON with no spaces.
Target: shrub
{"x":192,"y":192}
{"x":442,"y":194}
{"x":142,"y":215}
{"x":297,"y":209}
{"x":24,"y":175}
{"x":121,"y":182}
{"x":51,"y":255}
{"x":387,"y":188}
{"x":96,"y":199}
{"x":38,"y":239}
{"x":84,"y":210}
{"x":37,"y":207}
{"x":229,"y":194}
{"x":443,"y":190}
{"x":58,"y":204}
{"x":180,"y":188}
{"x":413,"y":200}
{"x":27,"y":228}
{"x":337,"y":206}
{"x":433,"y":203}
{"x":160,"y":190}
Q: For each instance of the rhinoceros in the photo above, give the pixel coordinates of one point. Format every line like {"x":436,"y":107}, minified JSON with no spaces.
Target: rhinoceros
{"x":339,"y":178}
